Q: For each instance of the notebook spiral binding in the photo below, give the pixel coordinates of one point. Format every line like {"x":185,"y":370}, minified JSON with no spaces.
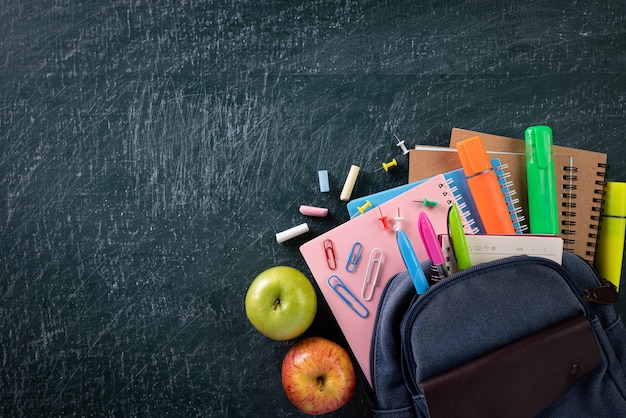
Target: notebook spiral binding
{"x":512,"y":202}
{"x":598,"y":203}
{"x":568,"y":220}
{"x":596,"y":209}
{"x":568,"y":215}
{"x":462,"y":205}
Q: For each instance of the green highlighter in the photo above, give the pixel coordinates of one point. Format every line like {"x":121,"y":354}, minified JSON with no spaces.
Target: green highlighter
{"x":542,"y":204}
{"x":457,"y":238}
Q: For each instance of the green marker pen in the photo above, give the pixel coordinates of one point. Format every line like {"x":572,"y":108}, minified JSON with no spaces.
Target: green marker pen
{"x":542,"y":205}
{"x":457,"y":238}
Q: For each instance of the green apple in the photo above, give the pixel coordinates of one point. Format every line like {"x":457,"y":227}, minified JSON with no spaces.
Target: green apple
{"x":318,"y":376}
{"x":281,"y":303}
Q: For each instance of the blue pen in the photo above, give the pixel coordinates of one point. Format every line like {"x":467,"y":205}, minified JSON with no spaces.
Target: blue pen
{"x":410,"y":258}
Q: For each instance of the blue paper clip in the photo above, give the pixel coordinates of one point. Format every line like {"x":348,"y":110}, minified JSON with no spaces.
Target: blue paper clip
{"x":347,"y":296}
{"x":354,"y":257}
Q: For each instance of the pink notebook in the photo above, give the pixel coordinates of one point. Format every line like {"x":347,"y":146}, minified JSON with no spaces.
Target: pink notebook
{"x":366,"y":233}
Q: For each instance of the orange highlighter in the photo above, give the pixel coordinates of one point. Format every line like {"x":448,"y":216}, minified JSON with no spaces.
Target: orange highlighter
{"x":484,"y":186}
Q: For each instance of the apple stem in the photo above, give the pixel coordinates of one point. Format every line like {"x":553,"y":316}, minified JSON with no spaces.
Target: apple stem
{"x":276,"y":303}
{"x":320,"y":383}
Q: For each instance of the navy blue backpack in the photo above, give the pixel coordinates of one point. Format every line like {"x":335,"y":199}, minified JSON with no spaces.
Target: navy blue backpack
{"x":518,"y":337}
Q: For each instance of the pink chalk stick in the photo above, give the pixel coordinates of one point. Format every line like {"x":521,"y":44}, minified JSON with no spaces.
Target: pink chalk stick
{"x":313,"y":211}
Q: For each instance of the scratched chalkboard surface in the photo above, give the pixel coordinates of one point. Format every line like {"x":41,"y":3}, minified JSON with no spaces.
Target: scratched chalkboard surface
{"x":150,"y":150}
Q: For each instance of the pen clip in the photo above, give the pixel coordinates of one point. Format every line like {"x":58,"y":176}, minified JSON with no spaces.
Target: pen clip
{"x":541,"y":144}
{"x":347,"y":296}
{"x":354,"y":257}
{"x":371,"y":274}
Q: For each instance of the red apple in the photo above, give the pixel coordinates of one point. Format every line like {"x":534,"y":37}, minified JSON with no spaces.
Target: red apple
{"x":318,"y":376}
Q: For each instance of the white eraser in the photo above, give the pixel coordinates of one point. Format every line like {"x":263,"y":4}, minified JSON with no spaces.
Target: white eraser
{"x":348,"y":186}
{"x":323,"y":177}
{"x":292,"y":233}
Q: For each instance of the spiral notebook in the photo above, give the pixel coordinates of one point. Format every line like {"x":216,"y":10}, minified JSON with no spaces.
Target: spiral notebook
{"x":457,"y":182}
{"x":425,"y":161}
{"x":580,"y":181}
{"x":362,"y":242}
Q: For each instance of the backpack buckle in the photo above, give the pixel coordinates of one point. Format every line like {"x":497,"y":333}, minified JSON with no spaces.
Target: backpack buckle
{"x":606,"y":294}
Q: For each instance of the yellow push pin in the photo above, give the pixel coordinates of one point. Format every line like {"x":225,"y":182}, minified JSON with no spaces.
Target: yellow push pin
{"x":387,"y":166}
{"x":365,"y":207}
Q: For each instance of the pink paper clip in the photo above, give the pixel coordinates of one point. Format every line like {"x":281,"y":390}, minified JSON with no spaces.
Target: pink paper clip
{"x":371,"y":275}
{"x":329,"y":250}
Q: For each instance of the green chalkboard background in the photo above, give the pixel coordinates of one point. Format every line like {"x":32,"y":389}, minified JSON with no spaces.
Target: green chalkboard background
{"x":150,"y":150}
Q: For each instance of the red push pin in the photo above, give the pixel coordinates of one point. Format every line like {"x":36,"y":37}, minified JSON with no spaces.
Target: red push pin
{"x":383,"y":220}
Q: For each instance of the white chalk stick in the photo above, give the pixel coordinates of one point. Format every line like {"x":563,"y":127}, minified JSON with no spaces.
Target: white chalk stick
{"x":292,"y":233}
{"x":313,"y":211}
{"x":323,"y":177}
{"x":348,"y":186}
